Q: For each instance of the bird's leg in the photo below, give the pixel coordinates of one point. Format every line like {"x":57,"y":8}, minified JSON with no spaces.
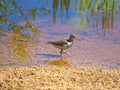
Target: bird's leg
{"x":61,"y":53}
{"x":68,"y":54}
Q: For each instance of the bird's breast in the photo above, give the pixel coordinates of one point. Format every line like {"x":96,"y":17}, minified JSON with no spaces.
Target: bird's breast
{"x":68,"y":44}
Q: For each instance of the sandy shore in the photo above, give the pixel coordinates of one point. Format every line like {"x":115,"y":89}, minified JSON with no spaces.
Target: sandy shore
{"x":59,"y":78}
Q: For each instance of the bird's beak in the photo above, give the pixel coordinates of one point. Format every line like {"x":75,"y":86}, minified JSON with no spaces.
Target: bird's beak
{"x":77,"y":39}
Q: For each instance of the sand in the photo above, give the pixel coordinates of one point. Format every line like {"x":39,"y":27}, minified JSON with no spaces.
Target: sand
{"x":54,"y":77}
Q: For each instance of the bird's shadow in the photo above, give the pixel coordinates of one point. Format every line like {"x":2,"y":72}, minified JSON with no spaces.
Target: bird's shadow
{"x":48,"y":55}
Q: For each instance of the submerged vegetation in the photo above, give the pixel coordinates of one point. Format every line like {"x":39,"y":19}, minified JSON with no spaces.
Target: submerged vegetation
{"x":60,"y":62}
{"x":20,"y":42}
{"x":15,"y":47}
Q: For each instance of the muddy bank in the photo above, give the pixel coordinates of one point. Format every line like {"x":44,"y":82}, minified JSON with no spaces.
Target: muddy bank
{"x":59,"y":78}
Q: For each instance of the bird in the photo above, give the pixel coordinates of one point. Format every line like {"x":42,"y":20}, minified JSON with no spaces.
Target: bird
{"x":64,"y":44}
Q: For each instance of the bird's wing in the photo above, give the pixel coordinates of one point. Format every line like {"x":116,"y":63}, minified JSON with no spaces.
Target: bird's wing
{"x":59,"y":43}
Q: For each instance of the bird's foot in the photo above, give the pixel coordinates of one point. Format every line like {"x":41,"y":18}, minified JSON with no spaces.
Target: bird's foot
{"x":68,"y":55}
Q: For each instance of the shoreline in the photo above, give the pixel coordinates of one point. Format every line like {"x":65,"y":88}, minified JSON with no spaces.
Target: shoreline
{"x":54,"y":77}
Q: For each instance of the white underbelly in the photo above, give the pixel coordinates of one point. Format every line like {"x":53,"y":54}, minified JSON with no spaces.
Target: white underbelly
{"x":66,"y":46}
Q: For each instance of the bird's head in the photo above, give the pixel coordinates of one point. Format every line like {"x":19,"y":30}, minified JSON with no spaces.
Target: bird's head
{"x":72,"y":36}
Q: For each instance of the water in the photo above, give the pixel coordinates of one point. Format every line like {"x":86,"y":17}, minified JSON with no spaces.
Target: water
{"x":99,"y":46}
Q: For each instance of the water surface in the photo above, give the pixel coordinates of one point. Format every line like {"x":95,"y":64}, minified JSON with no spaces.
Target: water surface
{"x":99,"y":46}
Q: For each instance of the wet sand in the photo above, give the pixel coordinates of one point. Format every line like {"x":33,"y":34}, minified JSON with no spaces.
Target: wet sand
{"x":59,"y":78}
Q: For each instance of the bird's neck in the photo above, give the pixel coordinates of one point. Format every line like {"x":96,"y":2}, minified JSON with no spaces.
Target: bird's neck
{"x":70,"y":40}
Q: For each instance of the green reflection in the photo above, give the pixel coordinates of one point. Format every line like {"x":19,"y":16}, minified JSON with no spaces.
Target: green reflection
{"x":107,"y":9}
{"x":64,"y":6}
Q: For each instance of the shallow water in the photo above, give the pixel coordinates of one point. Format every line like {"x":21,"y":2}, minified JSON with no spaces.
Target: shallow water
{"x":93,"y":49}
{"x":98,"y":47}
